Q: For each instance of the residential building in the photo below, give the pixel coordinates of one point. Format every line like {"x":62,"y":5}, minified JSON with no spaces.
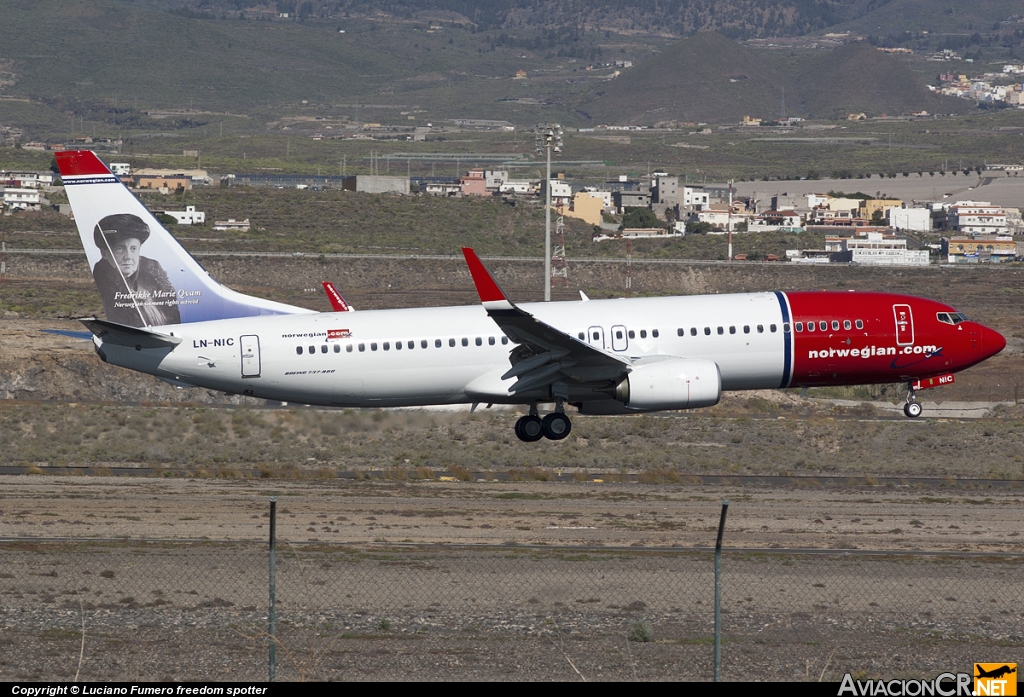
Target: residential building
{"x":444,"y":189}
{"x":519,"y":186}
{"x":586,"y":207}
{"x":631,"y":199}
{"x":976,"y":218}
{"x":910,"y":219}
{"x":989,"y":249}
{"x":561,"y":192}
{"x":26,"y":180}
{"x":163,"y":183}
{"x":695,"y":198}
{"x":23,"y":199}
{"x":665,"y":190}
{"x":121,"y":169}
{"x":786,"y":221}
{"x":231,"y":224}
{"x":189,"y":216}
{"x":495,"y":178}
{"x":474,"y":183}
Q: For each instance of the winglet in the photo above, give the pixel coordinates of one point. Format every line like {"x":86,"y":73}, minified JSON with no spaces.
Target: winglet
{"x":337,"y":302}
{"x":491,"y":294}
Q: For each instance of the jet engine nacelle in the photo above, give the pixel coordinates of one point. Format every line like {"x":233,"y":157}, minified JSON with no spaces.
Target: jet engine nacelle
{"x":681,"y":383}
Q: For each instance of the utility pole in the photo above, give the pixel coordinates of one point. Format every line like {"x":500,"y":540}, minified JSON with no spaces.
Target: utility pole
{"x":548,"y":137}
{"x":730,"y":220}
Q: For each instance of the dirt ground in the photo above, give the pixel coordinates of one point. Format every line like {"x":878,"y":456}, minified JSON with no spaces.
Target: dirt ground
{"x":493,"y":581}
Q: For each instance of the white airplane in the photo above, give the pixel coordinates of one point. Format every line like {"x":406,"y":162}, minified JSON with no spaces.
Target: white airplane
{"x":167,"y":317}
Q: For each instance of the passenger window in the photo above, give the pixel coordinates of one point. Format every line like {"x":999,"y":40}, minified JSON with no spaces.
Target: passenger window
{"x":479,"y":341}
{"x":387,"y":345}
{"x":337,"y":348}
{"x":423,"y":343}
{"x":398,"y":345}
{"x":721,"y":330}
{"x":680,"y":332}
{"x":465,"y":341}
{"x":746,"y":328}
{"x":298,"y":350}
{"x":760,"y":329}
{"x":693,"y":331}
{"x":707,"y":331}
{"x":312,"y":349}
{"x":362,"y":347}
{"x":632,"y":334}
{"x":823,"y":326}
{"x":412,"y":344}
{"x":373,"y":345}
{"x":799,"y":326}
{"x":846,"y":325}
{"x":504,"y":340}
{"x":451,"y":342}
{"x":772,"y":328}
{"x":643,"y":334}
{"x":348,"y":348}
{"x":618,"y":334}
{"x":596,"y":336}
{"x":835,"y":325}
{"x":490,"y":341}
{"x":860,"y":324}
{"x":785,"y":327}
{"x":810,"y":326}
{"x":582,"y":336}
{"x":654,"y":333}
{"x":437,"y":343}
{"x":732,"y":330}
{"x":323,"y":348}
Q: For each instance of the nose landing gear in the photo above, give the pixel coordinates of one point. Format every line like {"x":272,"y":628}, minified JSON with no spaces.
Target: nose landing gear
{"x":554,"y":426}
{"x":912,"y":409}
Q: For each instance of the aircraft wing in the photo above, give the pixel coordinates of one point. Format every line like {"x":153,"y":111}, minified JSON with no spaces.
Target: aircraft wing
{"x":545,"y":355}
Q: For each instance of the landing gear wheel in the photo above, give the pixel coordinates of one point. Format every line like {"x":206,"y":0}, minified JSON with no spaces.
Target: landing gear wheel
{"x":556,"y":426}
{"x":529,"y":429}
{"x":912,"y":409}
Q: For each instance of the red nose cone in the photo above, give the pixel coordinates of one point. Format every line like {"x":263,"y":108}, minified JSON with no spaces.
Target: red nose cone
{"x":992,"y":342}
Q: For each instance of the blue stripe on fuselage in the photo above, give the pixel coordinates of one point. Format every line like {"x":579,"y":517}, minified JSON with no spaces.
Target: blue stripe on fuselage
{"x":787,"y":340}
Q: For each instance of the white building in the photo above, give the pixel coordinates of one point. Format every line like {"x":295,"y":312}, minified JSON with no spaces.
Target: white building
{"x":189,"y":216}
{"x":875,"y":249}
{"x":23,"y":199}
{"x":495,"y":178}
{"x":976,"y":218}
{"x":231,"y":224}
{"x":912,"y":219}
{"x":518,"y":186}
{"x":27,"y":180}
{"x":121,"y":169}
{"x":787,"y":221}
{"x":695,"y":198}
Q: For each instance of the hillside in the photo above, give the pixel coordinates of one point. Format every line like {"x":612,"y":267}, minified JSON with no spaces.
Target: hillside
{"x":708,"y":77}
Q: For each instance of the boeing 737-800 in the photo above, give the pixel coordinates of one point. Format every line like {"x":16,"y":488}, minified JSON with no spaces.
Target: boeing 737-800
{"x":167,"y":317}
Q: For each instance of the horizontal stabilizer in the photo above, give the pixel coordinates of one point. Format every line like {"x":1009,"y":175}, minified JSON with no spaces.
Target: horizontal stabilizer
{"x":123,"y":335}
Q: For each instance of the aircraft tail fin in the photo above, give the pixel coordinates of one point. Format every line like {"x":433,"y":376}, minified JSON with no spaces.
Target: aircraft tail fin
{"x":144,"y":276}
{"x":337,"y":302}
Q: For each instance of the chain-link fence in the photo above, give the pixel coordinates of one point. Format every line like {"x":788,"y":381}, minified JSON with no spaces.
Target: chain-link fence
{"x":136,"y":610}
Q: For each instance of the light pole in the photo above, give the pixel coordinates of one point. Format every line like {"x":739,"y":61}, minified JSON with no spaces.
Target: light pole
{"x":548,"y":137}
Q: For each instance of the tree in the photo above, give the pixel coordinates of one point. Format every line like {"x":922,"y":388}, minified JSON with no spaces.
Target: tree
{"x":636,"y":217}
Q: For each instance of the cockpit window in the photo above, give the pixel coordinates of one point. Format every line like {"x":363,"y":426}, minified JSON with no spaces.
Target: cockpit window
{"x":951,"y":317}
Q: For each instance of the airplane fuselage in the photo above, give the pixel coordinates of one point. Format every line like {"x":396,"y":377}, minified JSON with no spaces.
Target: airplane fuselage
{"x":449,"y":355}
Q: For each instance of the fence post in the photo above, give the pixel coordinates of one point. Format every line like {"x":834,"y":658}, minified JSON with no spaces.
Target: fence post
{"x":271,"y":617}
{"x":718,"y":593}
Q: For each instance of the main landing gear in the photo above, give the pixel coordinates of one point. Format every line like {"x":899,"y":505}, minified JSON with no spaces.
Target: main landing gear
{"x":554,"y":426}
{"x":912,"y":409}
